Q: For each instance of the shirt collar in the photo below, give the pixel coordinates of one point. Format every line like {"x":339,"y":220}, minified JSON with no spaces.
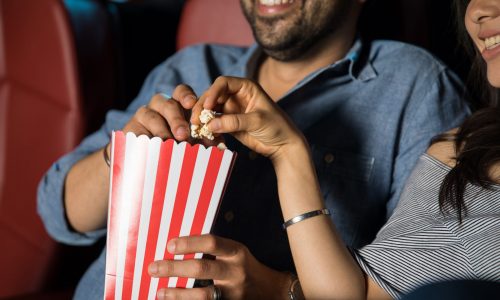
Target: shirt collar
{"x":360,"y":67}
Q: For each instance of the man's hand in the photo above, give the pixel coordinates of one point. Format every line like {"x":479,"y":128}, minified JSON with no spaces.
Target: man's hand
{"x":86,"y":189}
{"x":164,"y":118}
{"x":234,"y":270}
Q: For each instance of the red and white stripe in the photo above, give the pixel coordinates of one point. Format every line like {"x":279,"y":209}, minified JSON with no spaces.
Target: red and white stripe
{"x":158,"y":191}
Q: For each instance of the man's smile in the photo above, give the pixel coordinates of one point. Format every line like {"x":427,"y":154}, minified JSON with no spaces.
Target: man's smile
{"x":275,"y":7}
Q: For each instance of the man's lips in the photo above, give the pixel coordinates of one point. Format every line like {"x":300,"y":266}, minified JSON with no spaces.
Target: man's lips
{"x":275,"y":7}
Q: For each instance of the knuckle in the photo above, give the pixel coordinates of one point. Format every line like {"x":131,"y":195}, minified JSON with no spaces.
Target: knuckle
{"x":212,"y":243}
{"x":182,"y":87}
{"x":240,"y":277}
{"x":170,"y":104}
{"x":181,"y":245}
{"x":140,"y":115}
{"x":151,"y":114}
{"x":240,"y":253}
{"x":247,"y":82}
{"x":201,"y":268}
{"x":236,"y":123}
{"x":165,"y":268}
{"x":171,"y":294}
{"x":142,"y":110}
{"x":156,"y":99}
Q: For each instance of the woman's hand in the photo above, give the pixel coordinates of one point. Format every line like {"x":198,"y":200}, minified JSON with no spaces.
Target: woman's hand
{"x":250,"y":115}
{"x":234,"y":270}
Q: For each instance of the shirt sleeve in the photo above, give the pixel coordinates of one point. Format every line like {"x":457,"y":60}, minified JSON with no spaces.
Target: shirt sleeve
{"x":416,"y":247}
{"x":50,"y":195}
{"x":437,"y":105}
{"x":403,"y":263}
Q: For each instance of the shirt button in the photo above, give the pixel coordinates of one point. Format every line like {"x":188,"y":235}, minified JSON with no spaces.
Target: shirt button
{"x":252,"y":155}
{"x":229,"y":216}
{"x":329,"y":158}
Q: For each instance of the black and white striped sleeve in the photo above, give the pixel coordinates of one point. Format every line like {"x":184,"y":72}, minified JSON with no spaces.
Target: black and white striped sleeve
{"x":419,"y":245}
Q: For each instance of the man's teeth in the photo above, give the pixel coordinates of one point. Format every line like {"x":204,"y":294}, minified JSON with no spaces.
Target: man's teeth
{"x":275,"y":2}
{"x":492,"y":42}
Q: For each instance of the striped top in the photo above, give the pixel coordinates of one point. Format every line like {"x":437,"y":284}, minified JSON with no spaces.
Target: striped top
{"x":419,"y":245}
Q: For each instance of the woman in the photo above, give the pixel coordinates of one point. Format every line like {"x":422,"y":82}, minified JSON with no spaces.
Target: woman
{"x":447,"y":222}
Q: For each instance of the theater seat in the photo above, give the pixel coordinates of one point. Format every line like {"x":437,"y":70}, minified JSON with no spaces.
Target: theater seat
{"x":40,"y":119}
{"x":62,"y":66}
{"x":214,"y":21}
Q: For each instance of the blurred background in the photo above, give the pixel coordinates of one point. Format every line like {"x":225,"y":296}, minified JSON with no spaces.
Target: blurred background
{"x":64,"y":63}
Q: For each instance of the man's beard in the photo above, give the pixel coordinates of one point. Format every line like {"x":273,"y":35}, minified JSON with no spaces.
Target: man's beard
{"x":300,"y":35}
{"x":285,"y":46}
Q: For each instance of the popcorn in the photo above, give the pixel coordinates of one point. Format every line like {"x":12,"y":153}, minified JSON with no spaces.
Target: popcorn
{"x":206,"y":116}
{"x":194,"y":131}
{"x":222,"y":146}
{"x":198,"y":132}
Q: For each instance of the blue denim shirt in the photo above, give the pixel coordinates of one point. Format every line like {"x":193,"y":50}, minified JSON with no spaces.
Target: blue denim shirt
{"x":367,"y":118}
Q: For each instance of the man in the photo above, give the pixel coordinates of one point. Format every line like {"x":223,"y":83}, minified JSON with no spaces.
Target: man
{"x":368,"y":111}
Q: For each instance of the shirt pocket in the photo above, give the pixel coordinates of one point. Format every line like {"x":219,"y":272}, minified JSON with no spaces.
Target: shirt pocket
{"x":345,"y":179}
{"x":345,"y":174}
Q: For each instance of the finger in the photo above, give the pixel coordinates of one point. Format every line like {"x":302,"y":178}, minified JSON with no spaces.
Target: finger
{"x":236,"y":123}
{"x":173,"y":113}
{"x":208,"y":244}
{"x":185,"y":95}
{"x":203,"y":293}
{"x":153,"y":122}
{"x":224,"y":87}
{"x":137,"y":129}
{"x":192,"y":268}
{"x":196,"y":111}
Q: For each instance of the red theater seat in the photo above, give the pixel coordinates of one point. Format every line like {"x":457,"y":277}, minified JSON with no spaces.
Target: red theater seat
{"x":40,"y":119}
{"x":214,"y":21}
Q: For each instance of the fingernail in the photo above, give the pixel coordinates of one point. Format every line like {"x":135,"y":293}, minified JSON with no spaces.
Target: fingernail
{"x":153,"y":268}
{"x":160,"y":294}
{"x":181,"y":132}
{"x":171,"y":247}
{"x":214,"y":125}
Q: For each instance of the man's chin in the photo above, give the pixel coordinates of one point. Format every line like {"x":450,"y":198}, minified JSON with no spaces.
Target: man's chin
{"x":284,"y":49}
{"x":284,"y":55}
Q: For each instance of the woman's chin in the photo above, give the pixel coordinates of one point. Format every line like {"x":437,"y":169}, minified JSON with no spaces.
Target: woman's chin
{"x":494,"y":77}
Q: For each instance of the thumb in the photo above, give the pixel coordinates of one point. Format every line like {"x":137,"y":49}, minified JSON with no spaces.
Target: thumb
{"x":232,"y":123}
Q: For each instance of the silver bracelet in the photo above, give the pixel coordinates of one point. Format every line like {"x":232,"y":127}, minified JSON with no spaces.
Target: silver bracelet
{"x":304,"y":216}
{"x":295,"y":290}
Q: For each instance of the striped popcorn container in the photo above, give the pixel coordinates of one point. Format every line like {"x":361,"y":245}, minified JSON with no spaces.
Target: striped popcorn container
{"x":159,"y":190}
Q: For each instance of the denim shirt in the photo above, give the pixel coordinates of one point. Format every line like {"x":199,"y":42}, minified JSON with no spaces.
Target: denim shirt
{"x":367,"y":118}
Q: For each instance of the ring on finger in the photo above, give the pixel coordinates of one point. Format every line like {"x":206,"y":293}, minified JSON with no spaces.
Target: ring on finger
{"x":216,"y":293}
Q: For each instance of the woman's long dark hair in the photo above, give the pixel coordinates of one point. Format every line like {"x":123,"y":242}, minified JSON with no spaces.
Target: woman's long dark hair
{"x":477,"y":142}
